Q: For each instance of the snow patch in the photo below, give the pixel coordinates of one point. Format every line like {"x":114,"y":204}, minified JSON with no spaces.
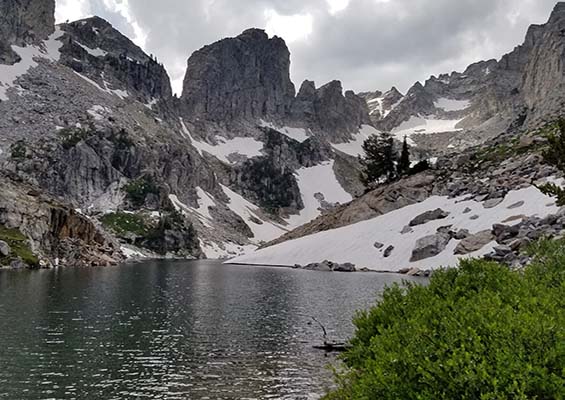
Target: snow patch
{"x":222,"y":251}
{"x":355,"y":147}
{"x":244,"y":146}
{"x":424,"y":125}
{"x":298,"y":134}
{"x":49,"y":50}
{"x":202,"y":212}
{"x":97,"y":52}
{"x":355,"y":243}
{"x":312,"y":182}
{"x":263,"y":231}
{"x":451,"y":104}
{"x":122,"y":94}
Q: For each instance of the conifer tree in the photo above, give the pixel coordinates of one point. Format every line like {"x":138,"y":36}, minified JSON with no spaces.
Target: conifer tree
{"x":555,"y":155}
{"x":404,"y":162}
{"x":379,"y":163}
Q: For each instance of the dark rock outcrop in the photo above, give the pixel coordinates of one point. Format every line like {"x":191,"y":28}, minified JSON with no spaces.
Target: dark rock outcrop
{"x":246,"y":77}
{"x":94,"y":48}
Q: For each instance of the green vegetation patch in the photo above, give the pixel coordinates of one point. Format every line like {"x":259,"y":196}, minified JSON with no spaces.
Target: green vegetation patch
{"x":480,"y":331}
{"x":123,"y":223}
{"x":70,"y":137}
{"x":19,"y":247}
{"x":138,"y":190}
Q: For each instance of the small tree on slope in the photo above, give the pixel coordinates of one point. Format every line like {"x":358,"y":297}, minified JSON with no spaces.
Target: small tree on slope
{"x":555,"y":155}
{"x":404,"y":162}
{"x":380,"y":160}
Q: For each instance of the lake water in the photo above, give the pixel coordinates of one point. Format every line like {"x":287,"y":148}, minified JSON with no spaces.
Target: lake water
{"x":174,"y":330}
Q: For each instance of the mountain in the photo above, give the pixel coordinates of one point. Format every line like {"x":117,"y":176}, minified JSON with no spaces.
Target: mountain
{"x":450,"y":112}
{"x":92,"y":139}
{"x":485,"y":127}
{"x":88,"y":120}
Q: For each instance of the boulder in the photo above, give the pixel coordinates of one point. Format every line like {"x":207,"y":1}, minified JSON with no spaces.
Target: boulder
{"x":461,"y":234}
{"x":430,"y":246}
{"x":474,"y":242}
{"x":516,"y":205}
{"x":388,"y":251}
{"x":378,"y":245}
{"x":324,"y":266}
{"x":4,"y":249}
{"x":428,"y":216}
{"x":347,"y":267}
{"x":406,"y":230}
{"x":491,"y":203}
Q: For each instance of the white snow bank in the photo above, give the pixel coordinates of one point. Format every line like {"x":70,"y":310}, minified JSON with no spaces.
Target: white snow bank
{"x":451,"y":104}
{"x":202,"y":212}
{"x":355,"y":243}
{"x":263,"y":231}
{"x":355,"y":147}
{"x":97,"y":52}
{"x":244,"y":146}
{"x":312,"y":182}
{"x":377,"y":104}
{"x":424,"y":125}
{"x":222,"y":251}
{"x":49,"y":50}
{"x":298,"y":134}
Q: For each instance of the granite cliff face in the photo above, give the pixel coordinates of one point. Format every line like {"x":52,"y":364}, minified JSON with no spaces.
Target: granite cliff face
{"x":246,"y":77}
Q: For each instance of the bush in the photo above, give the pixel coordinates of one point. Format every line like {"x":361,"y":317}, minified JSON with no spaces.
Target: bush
{"x":70,"y":137}
{"x":137,"y":190}
{"x":480,"y":331}
{"x":123,"y":223}
{"x":18,"y":150}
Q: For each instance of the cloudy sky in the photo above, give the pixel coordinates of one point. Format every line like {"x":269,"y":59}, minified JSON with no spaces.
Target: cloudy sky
{"x":367,"y":44}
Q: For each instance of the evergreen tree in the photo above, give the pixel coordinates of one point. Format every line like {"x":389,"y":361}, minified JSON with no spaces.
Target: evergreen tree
{"x":380,"y":160}
{"x":404,"y":162}
{"x":555,"y":155}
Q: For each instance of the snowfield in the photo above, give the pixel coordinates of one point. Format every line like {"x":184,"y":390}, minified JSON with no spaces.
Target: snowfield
{"x":312,"y":182}
{"x":263,"y":231}
{"x":244,"y":146}
{"x":298,"y":134}
{"x":424,"y":125}
{"x":355,"y":243}
{"x":355,"y":147}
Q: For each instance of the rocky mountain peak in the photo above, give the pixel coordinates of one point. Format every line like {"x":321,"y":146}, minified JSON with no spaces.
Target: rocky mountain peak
{"x":95,"y":49}
{"x":558,"y":12}
{"x":24,"y":22}
{"x":246,"y":77}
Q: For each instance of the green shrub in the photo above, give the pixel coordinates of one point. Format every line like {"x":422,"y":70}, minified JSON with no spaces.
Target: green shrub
{"x":18,"y":150}
{"x":19,"y":247}
{"x":124,"y":223}
{"x":480,"y":331}
{"x":138,"y":189}
{"x":70,"y":137}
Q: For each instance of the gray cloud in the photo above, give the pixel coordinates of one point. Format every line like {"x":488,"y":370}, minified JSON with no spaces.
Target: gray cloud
{"x":372,"y":44}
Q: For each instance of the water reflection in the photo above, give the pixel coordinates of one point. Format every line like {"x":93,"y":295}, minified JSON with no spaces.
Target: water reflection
{"x":173,"y":330}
